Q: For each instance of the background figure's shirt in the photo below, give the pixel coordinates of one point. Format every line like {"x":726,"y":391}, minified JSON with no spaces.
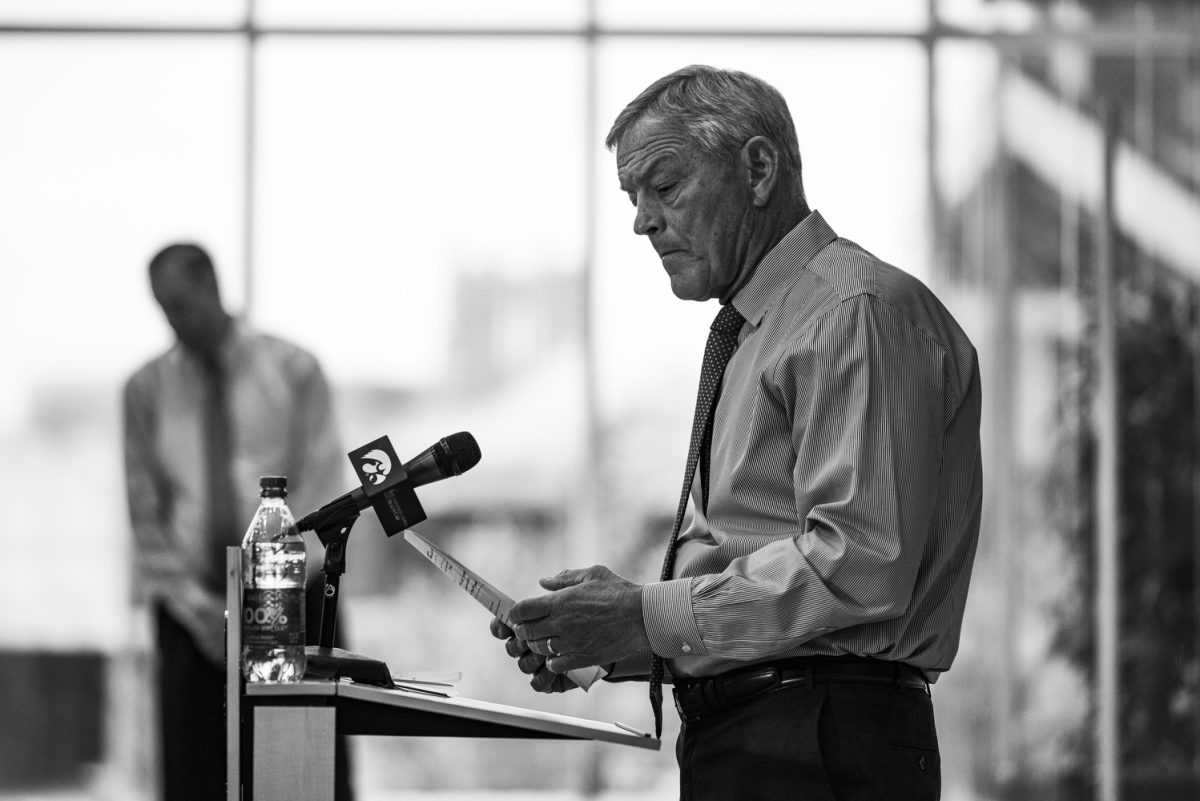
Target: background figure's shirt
{"x":282,"y":424}
{"x":845,"y":494}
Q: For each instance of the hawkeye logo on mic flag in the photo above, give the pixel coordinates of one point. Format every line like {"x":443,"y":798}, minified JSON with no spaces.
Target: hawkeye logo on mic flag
{"x":374,"y":463}
{"x":375,"y":466}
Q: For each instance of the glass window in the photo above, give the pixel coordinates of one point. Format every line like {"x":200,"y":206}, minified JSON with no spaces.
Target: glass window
{"x":400,"y":178}
{"x":116,"y":146}
{"x":420,"y":227}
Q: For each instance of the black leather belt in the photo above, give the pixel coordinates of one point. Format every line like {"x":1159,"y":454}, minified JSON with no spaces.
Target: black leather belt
{"x":698,"y":698}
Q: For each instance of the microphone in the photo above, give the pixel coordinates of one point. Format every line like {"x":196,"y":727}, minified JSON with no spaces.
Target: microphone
{"x":449,"y":456}
{"x":389,"y":489}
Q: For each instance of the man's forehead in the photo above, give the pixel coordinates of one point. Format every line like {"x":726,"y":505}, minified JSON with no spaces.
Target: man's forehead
{"x":647,"y":147}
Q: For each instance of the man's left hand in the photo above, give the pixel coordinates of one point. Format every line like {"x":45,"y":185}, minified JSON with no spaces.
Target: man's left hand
{"x":591,"y":617}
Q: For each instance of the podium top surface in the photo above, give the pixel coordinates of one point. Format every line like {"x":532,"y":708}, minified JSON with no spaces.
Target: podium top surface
{"x":376,"y":710}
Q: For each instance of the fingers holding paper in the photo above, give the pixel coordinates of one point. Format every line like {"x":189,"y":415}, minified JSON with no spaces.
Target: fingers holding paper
{"x":590,"y":617}
{"x":531,"y":663}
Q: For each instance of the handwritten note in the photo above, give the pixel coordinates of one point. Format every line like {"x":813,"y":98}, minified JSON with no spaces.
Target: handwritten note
{"x":495,"y":601}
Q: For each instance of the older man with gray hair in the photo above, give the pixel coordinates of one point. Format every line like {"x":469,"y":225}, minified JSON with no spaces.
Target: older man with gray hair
{"x":834,"y":479}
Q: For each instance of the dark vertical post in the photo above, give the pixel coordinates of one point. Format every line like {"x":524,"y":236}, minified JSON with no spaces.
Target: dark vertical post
{"x":1192,"y":72}
{"x":1194,"y":297}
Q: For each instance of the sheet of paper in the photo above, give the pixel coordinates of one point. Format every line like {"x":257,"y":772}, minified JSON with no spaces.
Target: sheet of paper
{"x":492,"y":599}
{"x":442,"y":678}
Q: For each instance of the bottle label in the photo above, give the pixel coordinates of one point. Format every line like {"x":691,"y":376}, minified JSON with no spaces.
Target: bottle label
{"x":272,"y":617}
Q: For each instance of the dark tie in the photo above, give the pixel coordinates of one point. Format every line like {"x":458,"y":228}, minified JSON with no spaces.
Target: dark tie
{"x":722,"y":342}
{"x":220,"y":498}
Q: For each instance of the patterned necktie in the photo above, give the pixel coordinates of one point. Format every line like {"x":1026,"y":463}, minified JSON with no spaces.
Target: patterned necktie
{"x":722,"y":342}
{"x":220,"y":497}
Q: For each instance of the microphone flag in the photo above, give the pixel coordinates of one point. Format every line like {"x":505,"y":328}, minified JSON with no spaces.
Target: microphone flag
{"x":385,"y":484}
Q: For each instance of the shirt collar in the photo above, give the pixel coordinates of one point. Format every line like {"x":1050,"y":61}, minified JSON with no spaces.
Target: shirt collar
{"x":782,"y":265}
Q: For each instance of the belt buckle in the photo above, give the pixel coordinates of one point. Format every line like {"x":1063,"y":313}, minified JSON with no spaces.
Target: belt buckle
{"x":722,"y":693}
{"x":679,"y":706}
{"x":738,"y":688}
{"x":683,"y":697}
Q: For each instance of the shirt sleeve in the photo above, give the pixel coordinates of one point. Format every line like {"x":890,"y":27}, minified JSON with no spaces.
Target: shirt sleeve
{"x":161,"y":570}
{"x":863,"y":389}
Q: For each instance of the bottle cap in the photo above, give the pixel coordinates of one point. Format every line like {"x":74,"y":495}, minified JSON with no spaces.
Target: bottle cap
{"x":272,"y":485}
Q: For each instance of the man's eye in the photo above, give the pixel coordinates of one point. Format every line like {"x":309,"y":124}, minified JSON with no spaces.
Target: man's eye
{"x":663,"y":189}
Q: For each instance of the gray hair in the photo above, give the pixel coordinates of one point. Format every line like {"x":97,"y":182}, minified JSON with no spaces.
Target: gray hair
{"x":718,"y":111}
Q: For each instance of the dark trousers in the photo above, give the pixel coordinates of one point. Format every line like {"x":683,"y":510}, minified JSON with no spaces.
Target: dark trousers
{"x":833,"y":742}
{"x":191,"y":695}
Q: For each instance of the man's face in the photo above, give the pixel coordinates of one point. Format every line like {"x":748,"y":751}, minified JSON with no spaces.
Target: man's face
{"x":693,"y":209}
{"x":192,"y":308}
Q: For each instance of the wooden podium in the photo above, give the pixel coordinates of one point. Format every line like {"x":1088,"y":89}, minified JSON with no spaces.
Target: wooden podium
{"x":280,"y":737}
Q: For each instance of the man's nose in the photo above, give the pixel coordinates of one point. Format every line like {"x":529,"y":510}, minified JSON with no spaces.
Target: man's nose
{"x":646,"y":221}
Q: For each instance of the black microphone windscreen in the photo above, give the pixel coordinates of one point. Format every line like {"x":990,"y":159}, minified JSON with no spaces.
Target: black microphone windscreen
{"x":464,"y":450}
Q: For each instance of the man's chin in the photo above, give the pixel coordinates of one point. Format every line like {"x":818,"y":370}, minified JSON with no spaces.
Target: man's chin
{"x":688,"y":292}
{"x":689,"y":281}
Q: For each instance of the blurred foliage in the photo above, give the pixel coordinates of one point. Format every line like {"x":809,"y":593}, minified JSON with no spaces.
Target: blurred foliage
{"x":1159,"y":670}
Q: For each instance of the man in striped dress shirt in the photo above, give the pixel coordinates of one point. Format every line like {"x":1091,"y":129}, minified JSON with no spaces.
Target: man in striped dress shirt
{"x":821,"y":590}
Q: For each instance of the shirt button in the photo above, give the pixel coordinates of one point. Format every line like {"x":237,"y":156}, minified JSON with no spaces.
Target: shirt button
{"x":687,"y":649}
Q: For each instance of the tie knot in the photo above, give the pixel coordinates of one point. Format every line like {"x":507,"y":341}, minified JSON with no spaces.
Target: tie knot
{"x":728,"y":321}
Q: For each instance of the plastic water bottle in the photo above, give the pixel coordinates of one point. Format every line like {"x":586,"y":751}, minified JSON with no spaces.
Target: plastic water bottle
{"x":273,"y":572}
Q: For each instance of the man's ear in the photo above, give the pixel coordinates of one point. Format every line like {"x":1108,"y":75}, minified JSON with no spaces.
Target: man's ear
{"x":760,"y":160}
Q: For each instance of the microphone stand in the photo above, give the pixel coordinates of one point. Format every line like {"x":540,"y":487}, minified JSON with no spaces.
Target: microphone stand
{"x":332,"y":525}
{"x":397,"y":507}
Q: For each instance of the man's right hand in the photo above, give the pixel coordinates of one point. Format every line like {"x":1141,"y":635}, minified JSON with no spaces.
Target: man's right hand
{"x":530,"y":663}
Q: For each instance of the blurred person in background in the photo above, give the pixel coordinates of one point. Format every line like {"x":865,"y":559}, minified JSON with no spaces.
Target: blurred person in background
{"x":818,"y":589}
{"x":203,"y":421}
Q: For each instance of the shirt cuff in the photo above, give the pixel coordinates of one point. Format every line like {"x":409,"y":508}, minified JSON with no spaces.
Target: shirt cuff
{"x":670,"y":624}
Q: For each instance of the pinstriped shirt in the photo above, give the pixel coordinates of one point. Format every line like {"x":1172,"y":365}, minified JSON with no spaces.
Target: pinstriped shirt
{"x":845,"y":484}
